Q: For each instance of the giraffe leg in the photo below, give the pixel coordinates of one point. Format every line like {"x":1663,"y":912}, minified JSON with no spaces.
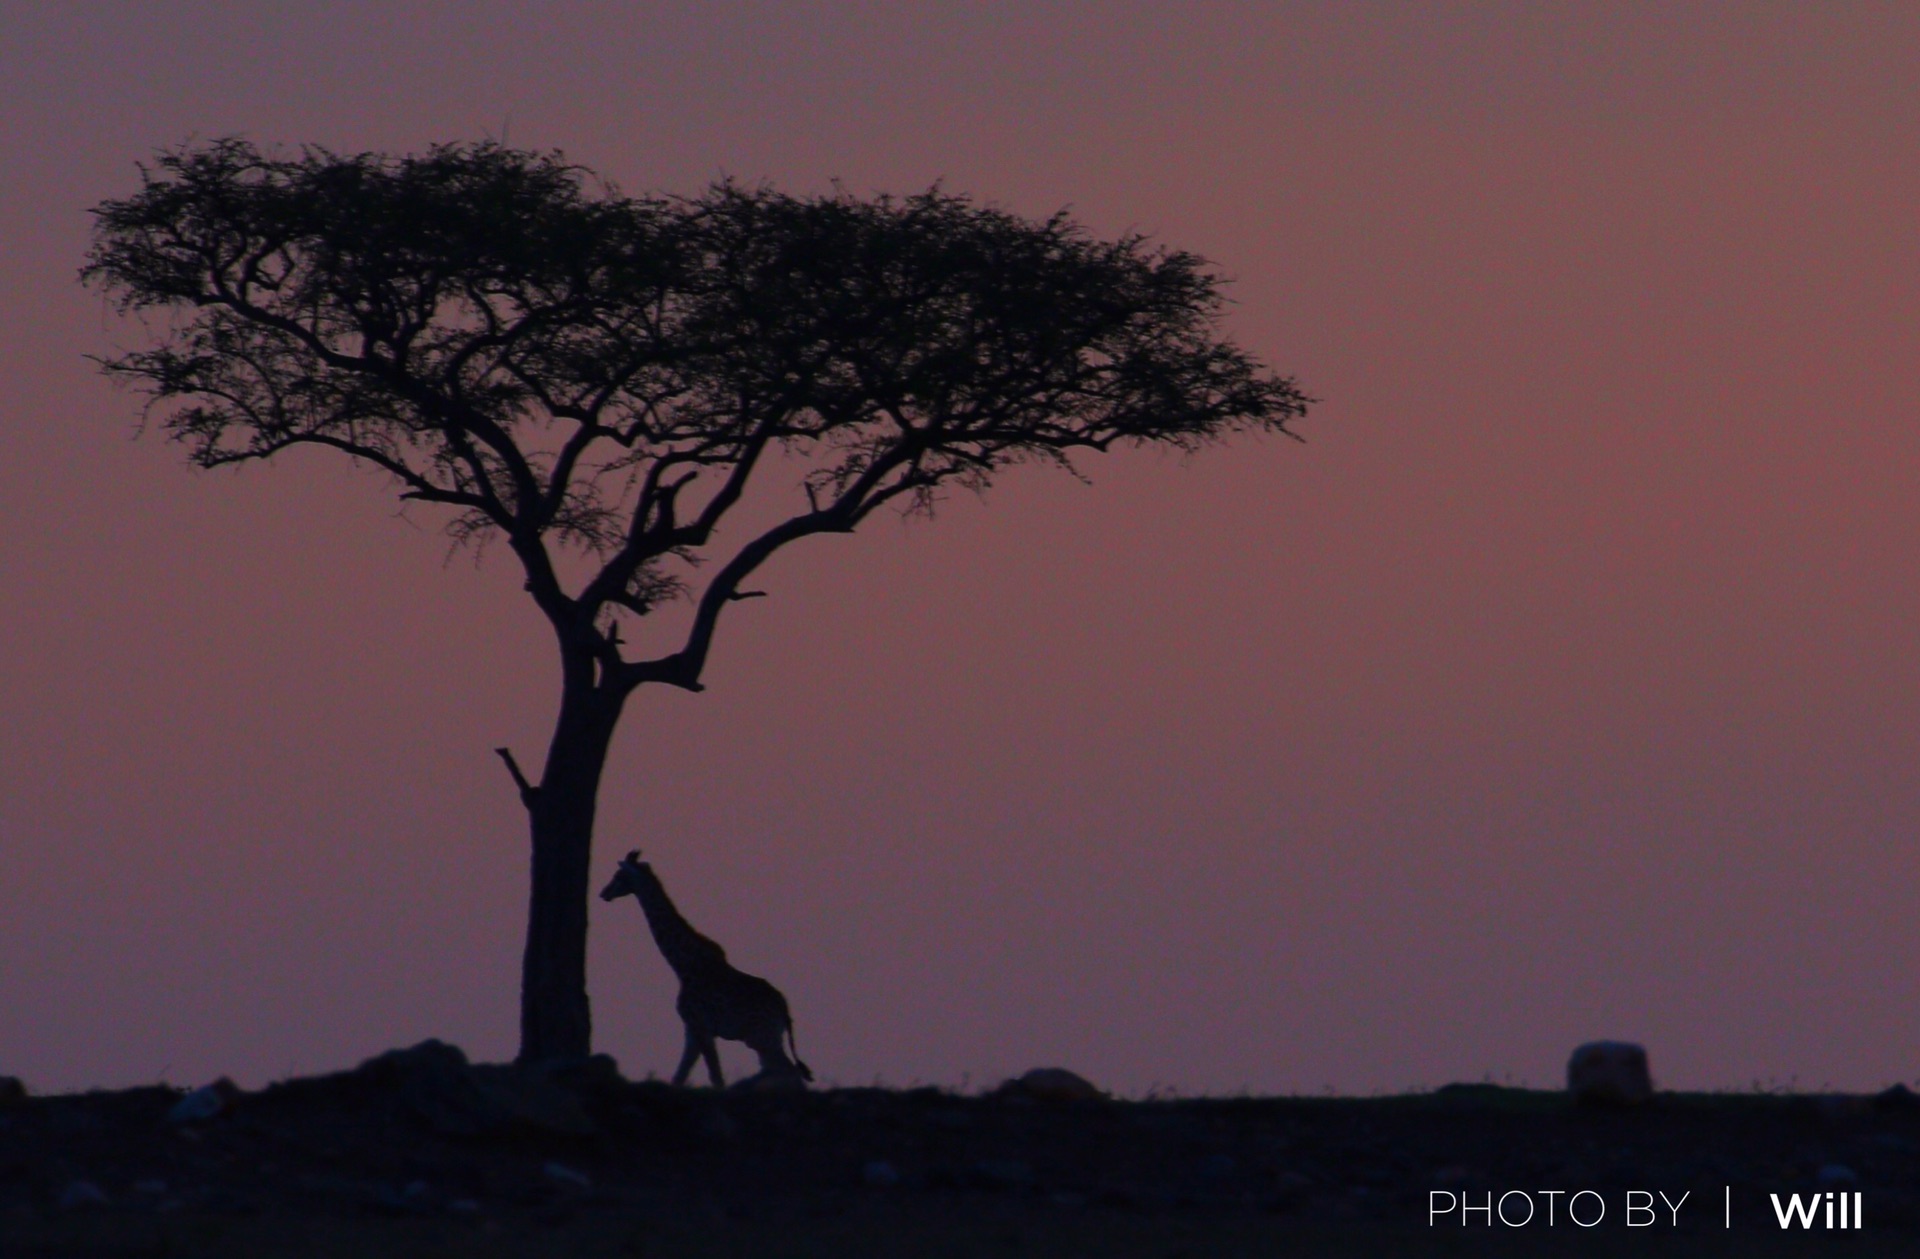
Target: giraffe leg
{"x":773,"y":1056}
{"x":711,"y":1052}
{"x":799,"y":1064}
{"x":687,"y":1058}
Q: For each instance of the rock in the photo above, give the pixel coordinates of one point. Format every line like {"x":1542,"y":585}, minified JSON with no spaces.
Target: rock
{"x":429,"y":1056}
{"x":1899,"y":1097}
{"x":1609,"y":1073}
{"x":434,"y":1082}
{"x":12,"y":1091}
{"x":79,"y":1194}
{"x":440,"y":1090}
{"x":561,"y":1174}
{"x":205,"y":1102}
{"x":1050,"y":1084}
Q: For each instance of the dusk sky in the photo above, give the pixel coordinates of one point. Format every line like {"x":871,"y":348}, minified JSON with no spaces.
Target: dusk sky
{"x":1564,"y":684}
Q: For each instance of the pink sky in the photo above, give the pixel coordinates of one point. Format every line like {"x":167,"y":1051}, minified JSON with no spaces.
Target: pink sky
{"x":1562,"y":686}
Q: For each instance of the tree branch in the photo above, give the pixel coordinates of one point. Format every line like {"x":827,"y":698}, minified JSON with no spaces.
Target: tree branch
{"x":683,"y":668}
{"x":528,"y":792}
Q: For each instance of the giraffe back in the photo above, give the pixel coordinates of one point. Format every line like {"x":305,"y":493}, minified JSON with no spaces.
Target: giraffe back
{"x":734,"y":1005}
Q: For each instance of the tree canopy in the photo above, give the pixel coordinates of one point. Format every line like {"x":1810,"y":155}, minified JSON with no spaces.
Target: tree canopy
{"x":565,"y":367}
{"x":609,"y":371}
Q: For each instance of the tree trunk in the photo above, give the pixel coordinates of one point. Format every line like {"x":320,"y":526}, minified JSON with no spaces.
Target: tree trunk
{"x":555,"y":1019}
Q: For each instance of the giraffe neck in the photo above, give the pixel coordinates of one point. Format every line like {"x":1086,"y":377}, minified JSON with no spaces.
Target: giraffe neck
{"x":686,"y":950}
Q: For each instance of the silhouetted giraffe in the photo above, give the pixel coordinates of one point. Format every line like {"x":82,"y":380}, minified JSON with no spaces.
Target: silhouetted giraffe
{"x":716,"y":1001}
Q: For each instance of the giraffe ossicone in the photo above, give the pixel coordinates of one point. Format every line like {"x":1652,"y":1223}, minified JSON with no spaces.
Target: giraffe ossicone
{"x":717,"y":1001}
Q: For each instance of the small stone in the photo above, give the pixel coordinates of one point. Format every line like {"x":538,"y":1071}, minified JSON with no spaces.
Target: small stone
{"x":880,"y":1174}
{"x":80,"y":1194}
{"x":204,"y":1102}
{"x":561,"y":1174}
{"x":1609,"y":1073}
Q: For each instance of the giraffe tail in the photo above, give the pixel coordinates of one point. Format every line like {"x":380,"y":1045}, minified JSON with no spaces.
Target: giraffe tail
{"x":806,"y":1072}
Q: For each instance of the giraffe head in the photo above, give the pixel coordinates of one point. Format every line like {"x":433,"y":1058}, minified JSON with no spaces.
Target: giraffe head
{"x":626,"y":877}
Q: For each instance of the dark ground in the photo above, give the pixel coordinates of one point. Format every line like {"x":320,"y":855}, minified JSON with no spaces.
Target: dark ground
{"x":417,"y":1153}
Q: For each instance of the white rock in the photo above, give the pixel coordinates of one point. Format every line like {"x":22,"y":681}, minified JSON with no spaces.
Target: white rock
{"x":204,"y":1102}
{"x":1611,"y":1072}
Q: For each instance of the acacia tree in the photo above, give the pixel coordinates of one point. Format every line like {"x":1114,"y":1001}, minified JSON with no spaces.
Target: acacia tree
{"x":596,"y":379}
